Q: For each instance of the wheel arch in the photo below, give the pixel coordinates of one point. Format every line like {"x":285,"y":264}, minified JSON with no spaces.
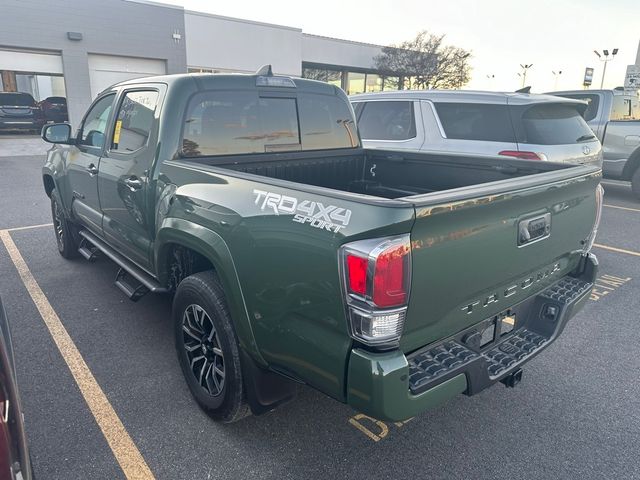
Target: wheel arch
{"x":210,"y":248}
{"x":632,"y":164}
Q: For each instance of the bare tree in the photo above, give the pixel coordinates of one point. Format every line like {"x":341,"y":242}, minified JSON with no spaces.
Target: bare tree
{"x":426,"y":62}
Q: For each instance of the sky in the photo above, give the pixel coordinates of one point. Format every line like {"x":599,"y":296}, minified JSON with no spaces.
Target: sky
{"x":553,"y":35}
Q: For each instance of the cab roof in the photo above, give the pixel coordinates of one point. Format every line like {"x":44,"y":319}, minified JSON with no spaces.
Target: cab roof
{"x":213,"y":81}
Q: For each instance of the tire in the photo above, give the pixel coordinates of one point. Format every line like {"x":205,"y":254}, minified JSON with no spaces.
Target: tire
{"x":64,"y":230}
{"x":207,"y":348}
{"x":635,"y":183}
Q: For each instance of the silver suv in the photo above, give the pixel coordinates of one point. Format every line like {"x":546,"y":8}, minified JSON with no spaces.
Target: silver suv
{"x":527,"y":126}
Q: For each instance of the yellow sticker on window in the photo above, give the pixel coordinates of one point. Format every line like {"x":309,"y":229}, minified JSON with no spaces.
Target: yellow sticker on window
{"x":116,"y":132}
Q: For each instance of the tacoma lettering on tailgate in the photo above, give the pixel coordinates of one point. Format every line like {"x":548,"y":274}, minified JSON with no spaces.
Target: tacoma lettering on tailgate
{"x":512,"y":290}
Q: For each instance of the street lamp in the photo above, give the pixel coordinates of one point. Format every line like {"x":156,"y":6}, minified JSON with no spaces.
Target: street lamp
{"x":525,"y":67}
{"x":606,"y":59}
{"x":556,"y":75}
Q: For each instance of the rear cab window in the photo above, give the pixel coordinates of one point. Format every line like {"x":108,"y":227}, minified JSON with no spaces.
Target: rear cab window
{"x":551,"y":124}
{"x":386,"y":120}
{"x":475,"y":121}
{"x":625,"y":108}
{"x":246,"y":122}
{"x":593,"y":102}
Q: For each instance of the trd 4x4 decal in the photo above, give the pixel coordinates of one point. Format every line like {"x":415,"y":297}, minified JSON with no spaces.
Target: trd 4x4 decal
{"x":316,"y":214}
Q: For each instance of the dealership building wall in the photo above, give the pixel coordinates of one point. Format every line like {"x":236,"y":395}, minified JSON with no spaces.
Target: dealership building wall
{"x":77,"y":48}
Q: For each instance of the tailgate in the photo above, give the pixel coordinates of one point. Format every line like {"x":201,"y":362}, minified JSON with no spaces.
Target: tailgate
{"x":467,"y":264}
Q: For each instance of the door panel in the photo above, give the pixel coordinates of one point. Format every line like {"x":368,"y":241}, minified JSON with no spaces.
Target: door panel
{"x":124,"y":176}
{"x":83,"y":162}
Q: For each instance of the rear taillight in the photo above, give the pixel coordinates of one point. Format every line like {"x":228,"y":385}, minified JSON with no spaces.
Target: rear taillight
{"x":376,"y":282}
{"x":523,"y":155}
{"x":590,"y":240}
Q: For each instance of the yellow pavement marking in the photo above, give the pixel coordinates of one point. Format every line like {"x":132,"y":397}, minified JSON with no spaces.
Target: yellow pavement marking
{"x":15,"y":229}
{"x":623,"y":208}
{"x":127,"y":454}
{"x":618,"y":250}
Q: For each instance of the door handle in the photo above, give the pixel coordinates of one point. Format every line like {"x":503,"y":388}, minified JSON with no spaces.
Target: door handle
{"x":134,"y":183}
{"x":92,"y":169}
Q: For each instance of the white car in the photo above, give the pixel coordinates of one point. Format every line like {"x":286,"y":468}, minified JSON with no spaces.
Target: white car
{"x":521,"y":125}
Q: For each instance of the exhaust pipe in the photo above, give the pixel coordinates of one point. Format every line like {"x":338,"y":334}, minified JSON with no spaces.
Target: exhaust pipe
{"x":513,"y":378}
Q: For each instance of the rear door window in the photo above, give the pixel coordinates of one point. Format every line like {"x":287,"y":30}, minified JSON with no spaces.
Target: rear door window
{"x":387,"y":120}
{"x":553,"y":124}
{"x":476,"y":121}
{"x":134,"y":121}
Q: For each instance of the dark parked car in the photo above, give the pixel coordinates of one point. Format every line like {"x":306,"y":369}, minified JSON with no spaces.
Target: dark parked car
{"x":19,"y":111}
{"x":14,"y":453}
{"x":54,"y":109}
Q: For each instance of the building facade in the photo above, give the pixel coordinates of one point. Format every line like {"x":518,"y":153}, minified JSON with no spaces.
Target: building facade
{"x":76,"y":48}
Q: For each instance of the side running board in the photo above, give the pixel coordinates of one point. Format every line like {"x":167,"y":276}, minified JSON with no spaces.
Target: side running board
{"x":131,"y":279}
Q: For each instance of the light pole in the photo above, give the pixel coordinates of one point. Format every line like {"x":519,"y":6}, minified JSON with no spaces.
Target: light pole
{"x":556,"y":75}
{"x":606,"y":60}
{"x":525,"y":67}
{"x":491,"y":78}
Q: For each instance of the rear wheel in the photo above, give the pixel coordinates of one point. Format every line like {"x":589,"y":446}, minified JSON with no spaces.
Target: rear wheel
{"x":65,"y":231}
{"x":207,"y":347}
{"x":635,"y":183}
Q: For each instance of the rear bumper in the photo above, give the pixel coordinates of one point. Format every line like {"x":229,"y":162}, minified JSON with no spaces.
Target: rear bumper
{"x":392,"y":386}
{"x":8,"y":123}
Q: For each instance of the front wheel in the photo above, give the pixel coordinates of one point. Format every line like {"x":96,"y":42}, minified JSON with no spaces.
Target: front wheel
{"x":635,"y":183}
{"x":207,"y":347}
{"x":64,"y":230}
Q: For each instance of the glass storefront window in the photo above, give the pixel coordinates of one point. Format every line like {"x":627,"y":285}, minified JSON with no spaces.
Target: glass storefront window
{"x":334,"y":77}
{"x":391,"y":83}
{"x":355,"y":83}
{"x":374,"y":82}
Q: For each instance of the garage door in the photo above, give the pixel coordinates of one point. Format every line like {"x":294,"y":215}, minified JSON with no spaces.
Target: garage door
{"x":105,"y":70}
{"x":30,"y":62}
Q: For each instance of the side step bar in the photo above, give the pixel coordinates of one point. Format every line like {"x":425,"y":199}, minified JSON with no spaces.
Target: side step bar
{"x":87,"y":250}
{"x":131,"y":279}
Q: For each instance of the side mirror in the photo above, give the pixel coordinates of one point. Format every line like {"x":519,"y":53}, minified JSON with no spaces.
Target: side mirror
{"x":57,"y":133}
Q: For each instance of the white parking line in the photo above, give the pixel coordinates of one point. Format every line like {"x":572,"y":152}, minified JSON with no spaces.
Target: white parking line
{"x":620,"y":183}
{"x":15,"y":229}
{"x":617,"y":250}
{"x":623,"y":208}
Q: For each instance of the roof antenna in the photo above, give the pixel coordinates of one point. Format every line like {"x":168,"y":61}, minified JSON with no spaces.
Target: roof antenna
{"x":524,"y":90}
{"x":265,"y":70}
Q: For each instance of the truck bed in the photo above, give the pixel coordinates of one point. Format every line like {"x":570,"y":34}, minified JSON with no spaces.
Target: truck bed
{"x":381,"y":173}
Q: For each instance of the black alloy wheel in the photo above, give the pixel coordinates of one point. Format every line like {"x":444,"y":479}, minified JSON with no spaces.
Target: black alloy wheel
{"x":202,"y":347}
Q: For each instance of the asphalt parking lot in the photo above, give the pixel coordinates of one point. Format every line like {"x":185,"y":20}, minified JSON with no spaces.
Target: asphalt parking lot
{"x":575,"y":415}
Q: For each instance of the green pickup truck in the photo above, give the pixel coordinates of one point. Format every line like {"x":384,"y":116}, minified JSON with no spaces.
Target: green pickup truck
{"x":387,"y":280}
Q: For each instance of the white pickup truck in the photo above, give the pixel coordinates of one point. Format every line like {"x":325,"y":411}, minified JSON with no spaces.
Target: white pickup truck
{"x":614,"y":116}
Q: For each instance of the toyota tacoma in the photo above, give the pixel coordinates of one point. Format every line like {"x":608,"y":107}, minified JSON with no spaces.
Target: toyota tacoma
{"x":390,"y":281}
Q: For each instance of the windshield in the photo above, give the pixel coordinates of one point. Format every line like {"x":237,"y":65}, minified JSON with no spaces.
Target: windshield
{"x":17,"y":100}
